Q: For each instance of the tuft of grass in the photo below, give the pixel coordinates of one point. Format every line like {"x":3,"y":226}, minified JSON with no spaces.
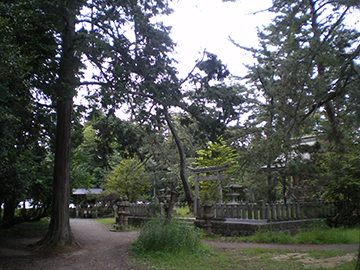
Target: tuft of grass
{"x":158,"y":240}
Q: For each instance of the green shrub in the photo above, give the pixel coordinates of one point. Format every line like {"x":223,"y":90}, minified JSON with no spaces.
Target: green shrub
{"x":156,"y":237}
{"x":318,"y":233}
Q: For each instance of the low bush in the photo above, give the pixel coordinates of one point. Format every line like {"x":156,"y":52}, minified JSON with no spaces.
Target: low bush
{"x":156,"y":237}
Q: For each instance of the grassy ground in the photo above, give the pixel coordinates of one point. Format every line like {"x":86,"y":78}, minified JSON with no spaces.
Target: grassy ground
{"x":106,"y":221}
{"x":215,"y":259}
{"x":316,"y":235}
{"x":220,"y":258}
{"x":183,"y":212}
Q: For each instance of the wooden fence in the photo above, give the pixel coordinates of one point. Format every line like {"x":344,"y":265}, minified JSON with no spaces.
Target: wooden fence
{"x":140,"y":209}
{"x":262,"y":210}
{"x":275,"y":211}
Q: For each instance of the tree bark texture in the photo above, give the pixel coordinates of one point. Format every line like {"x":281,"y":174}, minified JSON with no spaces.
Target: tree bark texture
{"x":182,"y":165}
{"x":173,"y":193}
{"x":59,"y":232}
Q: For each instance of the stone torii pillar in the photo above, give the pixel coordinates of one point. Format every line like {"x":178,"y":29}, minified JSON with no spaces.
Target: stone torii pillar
{"x":218,"y":177}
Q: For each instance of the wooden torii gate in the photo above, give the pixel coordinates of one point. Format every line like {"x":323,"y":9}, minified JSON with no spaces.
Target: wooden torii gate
{"x":218,"y":177}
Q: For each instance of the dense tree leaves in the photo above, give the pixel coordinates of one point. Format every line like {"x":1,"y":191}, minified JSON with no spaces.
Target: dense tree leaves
{"x":128,"y":179}
{"x":45,"y":45}
{"x":306,"y":71}
{"x":211,"y":102}
{"x":216,"y":154}
{"x":25,"y":45}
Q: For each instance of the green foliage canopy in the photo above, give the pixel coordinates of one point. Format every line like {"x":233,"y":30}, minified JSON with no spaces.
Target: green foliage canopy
{"x":129,"y":179}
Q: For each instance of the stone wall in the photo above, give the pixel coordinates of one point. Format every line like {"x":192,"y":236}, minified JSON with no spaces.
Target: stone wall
{"x":249,"y":227}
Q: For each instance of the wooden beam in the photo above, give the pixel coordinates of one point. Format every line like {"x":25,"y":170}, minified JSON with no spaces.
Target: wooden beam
{"x":210,"y":169}
{"x":211,"y":177}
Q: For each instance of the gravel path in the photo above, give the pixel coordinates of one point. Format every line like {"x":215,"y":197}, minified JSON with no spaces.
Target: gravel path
{"x":100,"y":249}
{"x":103,"y":249}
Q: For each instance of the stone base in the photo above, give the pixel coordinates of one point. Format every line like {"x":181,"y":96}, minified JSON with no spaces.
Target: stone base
{"x":137,"y":221}
{"x":244,"y":227}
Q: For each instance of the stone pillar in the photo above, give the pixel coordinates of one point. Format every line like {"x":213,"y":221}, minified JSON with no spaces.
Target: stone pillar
{"x":126,"y":212}
{"x":123,"y":213}
{"x":119,"y":215}
{"x":208,"y":215}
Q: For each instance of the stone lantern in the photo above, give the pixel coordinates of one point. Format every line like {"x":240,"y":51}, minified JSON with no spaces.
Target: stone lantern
{"x":207,"y":215}
{"x":234,"y":190}
{"x":123,"y":213}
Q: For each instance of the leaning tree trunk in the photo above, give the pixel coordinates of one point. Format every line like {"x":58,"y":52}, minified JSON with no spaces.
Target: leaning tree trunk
{"x":186,"y":186}
{"x":334,"y":135}
{"x":59,"y":232}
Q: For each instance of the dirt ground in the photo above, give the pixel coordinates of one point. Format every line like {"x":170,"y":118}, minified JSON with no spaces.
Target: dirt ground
{"x":103,"y":249}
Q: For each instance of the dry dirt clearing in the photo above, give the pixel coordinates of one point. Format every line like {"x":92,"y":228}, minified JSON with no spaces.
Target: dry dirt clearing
{"x":103,"y":249}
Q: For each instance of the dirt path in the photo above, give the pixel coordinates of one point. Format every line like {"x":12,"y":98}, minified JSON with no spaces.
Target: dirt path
{"x":100,"y":249}
{"x":103,"y":249}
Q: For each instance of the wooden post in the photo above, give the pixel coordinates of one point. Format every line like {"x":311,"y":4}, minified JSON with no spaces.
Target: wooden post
{"x":196,"y":194}
{"x":209,"y":177}
{"x":219,"y":188}
{"x":262,"y":210}
{"x":272,"y":209}
{"x":243,"y":211}
{"x":250,"y":209}
{"x":278,"y":214}
{"x":256,"y":213}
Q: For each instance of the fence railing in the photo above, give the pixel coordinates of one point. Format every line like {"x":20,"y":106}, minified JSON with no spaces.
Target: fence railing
{"x":262,"y":210}
{"x":274,"y":211}
{"x":140,"y":209}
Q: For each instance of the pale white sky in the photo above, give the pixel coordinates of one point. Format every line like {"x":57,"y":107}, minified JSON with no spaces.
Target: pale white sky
{"x":207,"y":24}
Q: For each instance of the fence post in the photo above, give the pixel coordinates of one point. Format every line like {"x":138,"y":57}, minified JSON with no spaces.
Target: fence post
{"x":250,"y":208}
{"x":256,"y":214}
{"x":282,"y":211}
{"x":262,"y":210}
{"x":278,"y":213}
{"x":287,"y":211}
{"x":267,"y":211}
{"x":298,"y":212}
{"x":238,"y":211}
{"x":272,"y":209}
{"x":242,"y":211}
{"x":227,"y":209}
{"x":292,"y":208}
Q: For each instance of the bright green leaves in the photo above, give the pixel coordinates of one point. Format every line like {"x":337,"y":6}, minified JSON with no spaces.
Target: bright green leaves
{"x":215,"y":154}
{"x":128,"y":178}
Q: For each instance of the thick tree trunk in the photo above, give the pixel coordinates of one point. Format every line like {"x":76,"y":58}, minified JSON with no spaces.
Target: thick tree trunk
{"x":59,"y":233}
{"x":182,"y":166}
{"x":9,"y":210}
{"x":173,"y":193}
